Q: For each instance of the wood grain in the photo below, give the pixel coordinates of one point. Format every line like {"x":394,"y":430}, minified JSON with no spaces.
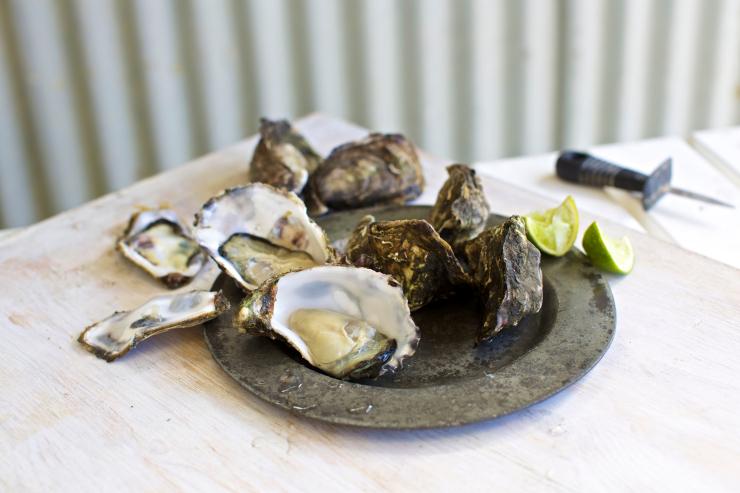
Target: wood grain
{"x":659,"y":413}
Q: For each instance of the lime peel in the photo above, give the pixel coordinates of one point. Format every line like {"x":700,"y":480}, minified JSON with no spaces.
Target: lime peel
{"x":609,"y":254}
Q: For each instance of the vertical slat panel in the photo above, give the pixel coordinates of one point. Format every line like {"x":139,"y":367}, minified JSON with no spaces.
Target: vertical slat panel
{"x":105,"y":68}
{"x":328,"y":70}
{"x":583,"y":66}
{"x":410,"y":48}
{"x":384,"y":96}
{"x":458,"y":122}
{"x":273,"y":58}
{"x":218,"y":70}
{"x":512,"y":117}
{"x":116,"y":89}
{"x":724,"y":82}
{"x":680,"y":78}
{"x":52,"y":101}
{"x":539,"y":86}
{"x":634,"y":65}
{"x":17,"y":204}
{"x":164,"y":73}
{"x":435,"y":90}
{"x":487,"y":78}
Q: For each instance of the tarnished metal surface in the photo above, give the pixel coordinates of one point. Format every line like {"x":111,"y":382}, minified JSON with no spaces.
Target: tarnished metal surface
{"x":448,"y":382}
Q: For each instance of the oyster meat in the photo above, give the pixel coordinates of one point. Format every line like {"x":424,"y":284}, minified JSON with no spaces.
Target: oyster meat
{"x":461,"y":210}
{"x":348,"y":322}
{"x":257,"y":231}
{"x":114,"y":336}
{"x":283,"y":158}
{"x":506,"y":269}
{"x":379,"y":169}
{"x":159,"y":243}
{"x":412,"y":252}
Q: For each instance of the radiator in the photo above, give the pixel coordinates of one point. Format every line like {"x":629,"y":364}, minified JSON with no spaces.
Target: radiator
{"x":95,"y":94}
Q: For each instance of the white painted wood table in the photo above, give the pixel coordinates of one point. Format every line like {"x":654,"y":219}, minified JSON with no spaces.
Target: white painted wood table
{"x":659,"y":413}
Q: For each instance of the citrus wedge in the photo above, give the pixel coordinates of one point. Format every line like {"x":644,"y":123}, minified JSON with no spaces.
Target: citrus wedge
{"x":609,"y":254}
{"x":554,"y":231}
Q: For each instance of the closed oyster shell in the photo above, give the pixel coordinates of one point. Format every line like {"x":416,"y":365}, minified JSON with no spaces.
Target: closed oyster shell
{"x":257,"y":231}
{"x":412,"y":252}
{"x":461,"y":210}
{"x":379,"y":169}
{"x":346,"y":321}
{"x":114,"y":336}
{"x":506,"y":270}
{"x":156,"y":241}
{"x":283,"y":158}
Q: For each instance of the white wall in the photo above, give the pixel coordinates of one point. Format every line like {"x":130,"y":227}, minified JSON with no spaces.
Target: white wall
{"x":95,"y":94}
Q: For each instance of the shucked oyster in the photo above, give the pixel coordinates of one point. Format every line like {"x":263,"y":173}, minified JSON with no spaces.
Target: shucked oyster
{"x":379,"y":169}
{"x":257,"y":231}
{"x":346,"y":321}
{"x":159,"y":243}
{"x":114,"y":336}
{"x":461,"y":210}
{"x":506,"y":269}
{"x":282,"y":158}
{"x":411,"y":251}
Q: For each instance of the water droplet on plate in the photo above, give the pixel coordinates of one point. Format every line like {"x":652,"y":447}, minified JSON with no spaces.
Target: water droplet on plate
{"x":289,"y":382}
{"x":303,"y":407}
{"x":366,"y":408}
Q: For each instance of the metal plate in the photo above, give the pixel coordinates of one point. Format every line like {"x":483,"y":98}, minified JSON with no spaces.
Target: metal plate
{"x":448,"y":381}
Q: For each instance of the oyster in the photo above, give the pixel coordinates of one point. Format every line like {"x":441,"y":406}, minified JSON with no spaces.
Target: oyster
{"x":412,"y":252}
{"x":506,"y":269}
{"x":282,"y":158}
{"x":379,"y":169}
{"x":114,"y":336}
{"x":257,"y":231}
{"x":160,"y":244}
{"x":346,"y":321}
{"x":461,"y":210}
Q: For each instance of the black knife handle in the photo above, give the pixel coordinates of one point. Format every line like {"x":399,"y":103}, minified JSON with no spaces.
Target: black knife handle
{"x":579,"y":167}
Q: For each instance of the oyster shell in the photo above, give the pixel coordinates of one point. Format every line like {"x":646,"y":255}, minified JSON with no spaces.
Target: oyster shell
{"x":461,"y":210}
{"x":506,"y":269}
{"x":160,"y":244}
{"x":257,"y":231}
{"x":346,"y":321}
{"x":379,"y":169}
{"x":114,"y":336}
{"x":282,"y":158}
{"x":412,"y":252}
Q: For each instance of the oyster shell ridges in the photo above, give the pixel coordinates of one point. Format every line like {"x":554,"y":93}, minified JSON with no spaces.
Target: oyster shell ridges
{"x":379,"y":169}
{"x":412,"y":252}
{"x":506,"y":270}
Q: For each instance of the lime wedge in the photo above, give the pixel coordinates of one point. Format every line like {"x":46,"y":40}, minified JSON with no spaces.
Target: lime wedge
{"x":606,"y":253}
{"x":555,"y":230}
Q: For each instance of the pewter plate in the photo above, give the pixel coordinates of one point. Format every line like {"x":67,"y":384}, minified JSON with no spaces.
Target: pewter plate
{"x":449,"y":381}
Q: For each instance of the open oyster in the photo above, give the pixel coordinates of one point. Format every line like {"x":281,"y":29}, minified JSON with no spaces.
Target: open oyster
{"x":412,"y":252}
{"x":379,"y":169}
{"x":346,"y":321}
{"x":257,"y":231}
{"x":282,"y":158}
{"x":159,"y":243}
{"x":461,"y":210}
{"x":114,"y":336}
{"x":506,"y":269}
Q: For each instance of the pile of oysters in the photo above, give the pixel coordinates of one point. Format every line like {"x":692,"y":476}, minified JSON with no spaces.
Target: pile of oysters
{"x":345,"y":307}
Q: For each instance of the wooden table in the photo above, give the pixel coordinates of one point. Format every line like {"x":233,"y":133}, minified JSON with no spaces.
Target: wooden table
{"x":659,"y":413}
